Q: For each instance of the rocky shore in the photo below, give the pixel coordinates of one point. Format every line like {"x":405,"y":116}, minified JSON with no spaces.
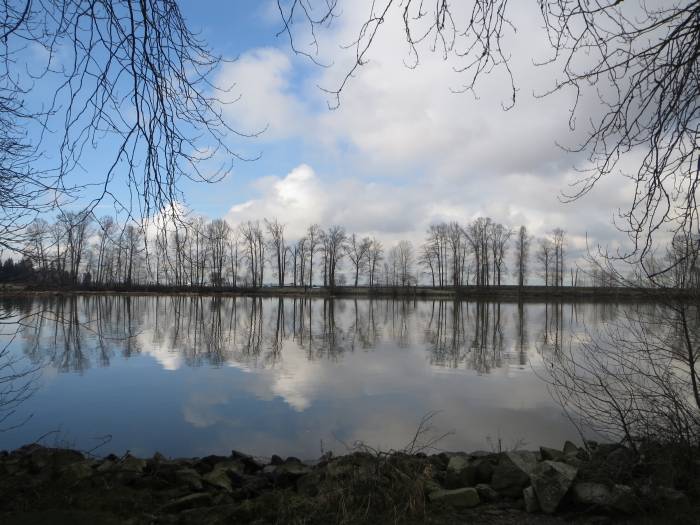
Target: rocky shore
{"x":598,"y":484}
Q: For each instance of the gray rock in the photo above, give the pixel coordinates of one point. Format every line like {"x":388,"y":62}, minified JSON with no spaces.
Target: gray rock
{"x":512,"y":474}
{"x":573,"y":460}
{"x":189,"y":477}
{"x":132,"y":464}
{"x":484,"y":469}
{"x":286,"y":474}
{"x":12,"y":466}
{"x":570,"y":448}
{"x":591,"y":494}
{"x":77,"y":471}
{"x":201,"y":499}
{"x":530,"y":500}
{"x":672,"y":498}
{"x":250,"y":464}
{"x":551,"y":480}
{"x":233,"y":468}
{"x":218,"y":478}
{"x":106,"y":466}
{"x":624,"y":500}
{"x":61,"y":457}
{"x":292,"y":469}
{"x":486,"y":492}
{"x":460,"y":473}
{"x":457,"y":463}
{"x":462,"y":498}
{"x":552,"y":454}
{"x":620,"y":459}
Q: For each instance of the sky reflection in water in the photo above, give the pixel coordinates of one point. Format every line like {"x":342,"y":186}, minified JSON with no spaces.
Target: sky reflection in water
{"x":191,"y":376}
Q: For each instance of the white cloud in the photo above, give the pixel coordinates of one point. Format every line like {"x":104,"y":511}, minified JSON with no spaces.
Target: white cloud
{"x":259,"y":94}
{"x":392,"y":211}
{"x":406,"y":151}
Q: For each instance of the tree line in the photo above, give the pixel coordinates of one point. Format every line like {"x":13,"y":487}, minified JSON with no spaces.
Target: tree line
{"x":79,"y":249}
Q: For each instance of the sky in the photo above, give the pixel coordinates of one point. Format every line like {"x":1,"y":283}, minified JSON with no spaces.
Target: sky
{"x":403,"y":149}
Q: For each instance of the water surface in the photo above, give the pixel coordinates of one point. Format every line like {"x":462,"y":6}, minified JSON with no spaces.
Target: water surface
{"x":191,"y":375}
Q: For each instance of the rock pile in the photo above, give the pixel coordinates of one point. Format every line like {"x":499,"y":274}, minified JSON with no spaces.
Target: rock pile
{"x":238,"y":487}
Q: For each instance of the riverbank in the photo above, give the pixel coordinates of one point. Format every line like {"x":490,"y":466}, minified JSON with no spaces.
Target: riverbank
{"x":496,"y":293}
{"x":604,"y":484}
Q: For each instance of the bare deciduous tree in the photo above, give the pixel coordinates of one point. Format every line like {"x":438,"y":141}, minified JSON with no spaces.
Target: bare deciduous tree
{"x":522,"y":253}
{"x":638,"y":59}
{"x":357,"y":251}
{"x":133,"y":79}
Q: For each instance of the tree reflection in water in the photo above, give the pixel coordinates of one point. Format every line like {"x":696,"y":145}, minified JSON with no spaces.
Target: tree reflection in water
{"x":351,"y":364}
{"x":76,"y":332}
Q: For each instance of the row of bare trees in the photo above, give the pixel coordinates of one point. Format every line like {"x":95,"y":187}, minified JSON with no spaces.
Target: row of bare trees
{"x":476,"y":253}
{"x":78,"y":248}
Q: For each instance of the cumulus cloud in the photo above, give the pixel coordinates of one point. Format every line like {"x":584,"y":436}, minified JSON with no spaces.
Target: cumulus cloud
{"x":259,"y":97}
{"x":392,"y":211}
{"x":406,"y":151}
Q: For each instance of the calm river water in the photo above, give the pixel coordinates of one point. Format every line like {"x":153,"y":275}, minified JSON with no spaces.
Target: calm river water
{"x":191,"y":376}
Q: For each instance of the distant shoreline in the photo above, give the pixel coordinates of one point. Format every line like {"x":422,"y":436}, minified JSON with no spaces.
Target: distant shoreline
{"x":503,"y":293}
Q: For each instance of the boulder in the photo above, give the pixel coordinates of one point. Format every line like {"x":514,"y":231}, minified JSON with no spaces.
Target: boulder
{"x":233,"y":468}
{"x":570,"y":449}
{"x":132,"y":464}
{"x":621,"y":459}
{"x":591,"y":494}
{"x":286,"y":474}
{"x":461,"y":498}
{"x":59,"y":457}
{"x":253,"y":486}
{"x":460,"y":473}
{"x":624,"y":500}
{"x":552,"y":454}
{"x":458,"y":462}
{"x":218,"y":478}
{"x":207,"y":463}
{"x":189,"y":477}
{"x":11,"y":466}
{"x":200,"y":499}
{"x":486,"y":492}
{"x":551,"y":480}
{"x":530,"y":500}
{"x":484,"y":467}
{"x":672,"y":499}
{"x":250,"y":464}
{"x":512,"y":474}
{"x":574,"y":461}
{"x":77,"y":471}
{"x":289,"y":469}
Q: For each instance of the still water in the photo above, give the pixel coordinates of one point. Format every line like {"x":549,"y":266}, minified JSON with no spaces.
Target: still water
{"x":191,"y":376}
